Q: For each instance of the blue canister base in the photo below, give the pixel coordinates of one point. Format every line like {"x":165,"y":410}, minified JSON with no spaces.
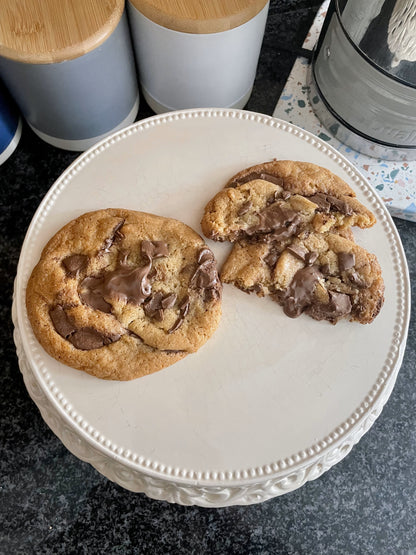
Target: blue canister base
{"x":160,"y":108}
{"x":10,"y":125}
{"x":84,"y":144}
{"x":14,"y":141}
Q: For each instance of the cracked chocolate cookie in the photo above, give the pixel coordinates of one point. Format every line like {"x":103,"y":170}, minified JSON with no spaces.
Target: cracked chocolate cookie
{"x":326,"y":276}
{"x":121,"y":294}
{"x":280,"y":200}
{"x":290,"y":223}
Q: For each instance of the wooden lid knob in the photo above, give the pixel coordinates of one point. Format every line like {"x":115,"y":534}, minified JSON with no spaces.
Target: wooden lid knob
{"x":49,"y":31}
{"x":199,"y":16}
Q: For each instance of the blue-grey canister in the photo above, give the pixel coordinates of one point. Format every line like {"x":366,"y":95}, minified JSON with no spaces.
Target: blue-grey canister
{"x":10,"y":125}
{"x":71,"y":69}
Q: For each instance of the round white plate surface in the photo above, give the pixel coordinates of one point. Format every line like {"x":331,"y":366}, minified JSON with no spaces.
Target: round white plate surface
{"x":268,"y":402}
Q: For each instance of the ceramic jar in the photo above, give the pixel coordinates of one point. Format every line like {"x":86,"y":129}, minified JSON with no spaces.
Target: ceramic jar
{"x":70,"y":68}
{"x":197,"y":54}
{"x":10,"y":126}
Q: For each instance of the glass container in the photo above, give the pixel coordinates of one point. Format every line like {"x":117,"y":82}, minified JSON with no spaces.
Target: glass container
{"x":363,"y":76}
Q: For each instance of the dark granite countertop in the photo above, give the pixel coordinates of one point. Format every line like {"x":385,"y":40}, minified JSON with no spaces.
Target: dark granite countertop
{"x":51,"y":502}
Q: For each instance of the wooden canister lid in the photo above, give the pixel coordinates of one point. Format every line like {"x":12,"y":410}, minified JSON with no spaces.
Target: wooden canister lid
{"x":199,"y":16}
{"x":49,"y":31}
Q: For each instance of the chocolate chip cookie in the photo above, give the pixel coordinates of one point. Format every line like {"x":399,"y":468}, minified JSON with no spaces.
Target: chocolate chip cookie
{"x":121,"y":294}
{"x":290,"y":223}
{"x":323,"y":275}
{"x":282,"y":199}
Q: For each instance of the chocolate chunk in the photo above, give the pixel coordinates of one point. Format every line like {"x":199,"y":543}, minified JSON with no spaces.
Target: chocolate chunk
{"x":154,"y":249}
{"x":321,"y":199}
{"x":152,"y":273}
{"x":303,"y":254}
{"x":91,"y":294}
{"x":339,"y":305}
{"x":311,"y":258}
{"x":356,"y":279}
{"x":128,"y":284}
{"x":155,"y":305}
{"x":298,"y":250}
{"x":183,"y":311}
{"x":74,"y":264}
{"x":114,"y":237}
{"x":184,"y":305}
{"x":326,"y":203}
{"x":61,"y":321}
{"x":211,"y":294}
{"x":272,"y":257}
{"x":169,"y":301}
{"x":244,"y":208}
{"x":281,"y":223}
{"x":125,"y":283}
{"x":257,"y":175}
{"x":341,"y":205}
{"x":205,"y":255}
{"x":346,"y":261}
{"x":300,"y":297}
{"x":271,"y":178}
{"x":88,"y":338}
{"x":300,"y":293}
{"x":325,"y":269}
{"x":85,"y":338}
{"x":271,"y":200}
{"x":206,"y":275}
{"x":245,"y":179}
{"x":176,"y":325}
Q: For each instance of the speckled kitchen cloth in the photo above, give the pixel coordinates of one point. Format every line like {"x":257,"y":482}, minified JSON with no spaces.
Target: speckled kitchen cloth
{"x":395,"y":181}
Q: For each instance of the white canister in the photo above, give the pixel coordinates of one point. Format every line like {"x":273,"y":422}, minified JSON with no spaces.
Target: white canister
{"x":69,"y":66}
{"x":196,"y":54}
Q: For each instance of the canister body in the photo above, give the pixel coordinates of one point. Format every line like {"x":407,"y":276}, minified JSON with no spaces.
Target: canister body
{"x":181,"y":70}
{"x":10,"y":125}
{"x":74,"y":103}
